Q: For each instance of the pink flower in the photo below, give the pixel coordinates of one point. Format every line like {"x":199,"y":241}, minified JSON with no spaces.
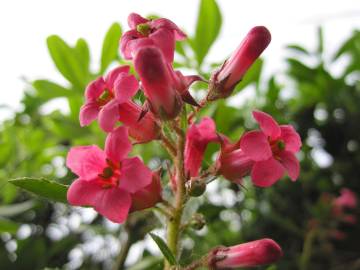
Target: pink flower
{"x":148,"y":196}
{"x":224,"y":80}
{"x":142,"y":129}
{"x":107,"y":179}
{"x":251,"y":254}
{"x":272,"y":149}
{"x":347,"y":199}
{"x":157,"y":82}
{"x":198,"y":137}
{"x":161,"y":33}
{"x":103,"y":96}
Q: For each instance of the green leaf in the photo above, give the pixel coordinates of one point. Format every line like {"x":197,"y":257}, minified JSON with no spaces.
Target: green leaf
{"x":165,"y":250}
{"x":297,"y":48}
{"x":110,"y":46}
{"x":148,"y":263}
{"x":207,"y":28}
{"x":83,"y":52}
{"x":45,"y":188}
{"x":15,"y":209}
{"x":67,"y":61}
{"x":8,"y":226}
{"x":49,"y":90}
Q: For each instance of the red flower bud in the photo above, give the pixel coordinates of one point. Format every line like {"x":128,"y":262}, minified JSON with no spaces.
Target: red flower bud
{"x":157,"y":82}
{"x":251,"y":254}
{"x":149,"y":195}
{"x":224,"y":80}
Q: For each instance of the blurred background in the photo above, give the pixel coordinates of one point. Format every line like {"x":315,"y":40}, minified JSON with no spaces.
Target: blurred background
{"x":308,"y":76}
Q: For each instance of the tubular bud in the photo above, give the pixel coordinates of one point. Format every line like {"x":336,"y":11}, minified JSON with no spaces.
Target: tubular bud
{"x":224,"y":80}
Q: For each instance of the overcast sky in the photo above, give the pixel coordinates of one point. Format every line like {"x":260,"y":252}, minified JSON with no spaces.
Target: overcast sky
{"x":24,"y":26}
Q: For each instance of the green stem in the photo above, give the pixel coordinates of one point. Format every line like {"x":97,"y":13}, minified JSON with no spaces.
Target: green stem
{"x":307,"y":249}
{"x":174,"y":223}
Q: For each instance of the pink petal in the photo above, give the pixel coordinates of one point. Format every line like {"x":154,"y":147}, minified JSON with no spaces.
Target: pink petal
{"x":109,"y":115}
{"x":117,"y":144}
{"x":143,"y":130}
{"x":114,"y":204}
{"x":267,"y":124}
{"x":291,"y":138}
{"x":291,"y":164}
{"x":167,"y":24}
{"x":95,"y":89}
{"x":265,"y":173}
{"x":132,"y":45}
{"x":86,"y":161}
{"x":125,"y":41}
{"x":125,"y":87}
{"x":134,"y":175}
{"x":88,"y":113}
{"x":114,"y":74}
{"x":256,"y":145}
{"x":83,"y":193}
{"x":197,"y":138}
{"x":134,"y":19}
{"x":235,"y":165}
{"x":164,"y":40}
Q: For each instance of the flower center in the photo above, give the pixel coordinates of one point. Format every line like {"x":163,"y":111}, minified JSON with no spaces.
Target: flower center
{"x":110,"y":176}
{"x":144,"y":29}
{"x":105,"y":97}
{"x":277,"y":146}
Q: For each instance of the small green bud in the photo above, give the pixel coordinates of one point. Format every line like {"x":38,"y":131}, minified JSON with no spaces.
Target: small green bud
{"x":197,"y":221}
{"x":195,"y":188}
{"x":144,"y":29}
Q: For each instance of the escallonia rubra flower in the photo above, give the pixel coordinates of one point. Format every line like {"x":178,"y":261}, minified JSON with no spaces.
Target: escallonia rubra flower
{"x":224,"y":80}
{"x":250,"y":254}
{"x":161,"y":33}
{"x":272,"y":149}
{"x":107,"y":179}
{"x":104,"y":95}
{"x":157,"y":82}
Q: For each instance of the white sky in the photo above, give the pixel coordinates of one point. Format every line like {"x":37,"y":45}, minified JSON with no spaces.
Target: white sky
{"x":24,"y":26}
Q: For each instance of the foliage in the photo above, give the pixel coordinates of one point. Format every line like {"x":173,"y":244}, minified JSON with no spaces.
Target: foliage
{"x":38,"y":233}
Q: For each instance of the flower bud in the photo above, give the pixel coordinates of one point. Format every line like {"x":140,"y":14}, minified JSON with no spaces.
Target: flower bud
{"x":149,"y":195}
{"x":224,"y":80}
{"x":157,"y":82}
{"x":195,"y":188}
{"x":251,"y":254}
{"x":197,"y":221}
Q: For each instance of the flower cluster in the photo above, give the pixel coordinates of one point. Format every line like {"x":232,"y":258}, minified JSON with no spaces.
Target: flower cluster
{"x":116,"y":184}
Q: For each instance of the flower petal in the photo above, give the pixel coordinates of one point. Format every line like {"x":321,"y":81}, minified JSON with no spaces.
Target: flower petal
{"x":256,"y":145}
{"x":112,"y":76}
{"x":267,"y":124}
{"x":291,"y":138}
{"x":88,"y":113}
{"x":108,"y":116}
{"x":167,"y":24}
{"x":291,"y":164}
{"x":134,"y":175}
{"x":125,"y":41}
{"x":83,"y":193}
{"x":125,"y":87}
{"x":265,"y":173}
{"x":117,"y":144}
{"x":95,"y":89}
{"x":164,"y":40}
{"x":134,"y":19}
{"x":86,"y":161}
{"x":114,"y":204}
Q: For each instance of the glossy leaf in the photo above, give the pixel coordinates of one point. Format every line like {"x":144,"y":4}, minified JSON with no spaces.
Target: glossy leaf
{"x":42,"y":187}
{"x":165,"y":250}
{"x":110,"y":46}
{"x":207,"y":29}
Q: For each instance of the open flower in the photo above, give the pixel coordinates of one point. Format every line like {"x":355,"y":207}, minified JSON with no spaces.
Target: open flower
{"x":198,"y":137}
{"x":157,"y":82}
{"x":107,"y":179}
{"x":251,"y":254}
{"x":272,"y":149}
{"x":103,"y":96}
{"x":224,"y":80}
{"x":161,"y":33}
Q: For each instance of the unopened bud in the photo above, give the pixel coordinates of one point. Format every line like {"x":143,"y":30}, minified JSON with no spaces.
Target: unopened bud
{"x":197,"y":221}
{"x":195,"y":188}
